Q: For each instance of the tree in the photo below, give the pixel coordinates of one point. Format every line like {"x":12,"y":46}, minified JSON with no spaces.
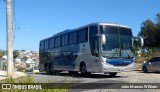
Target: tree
{"x":15,"y":54}
{"x":158,"y":18}
{"x":158,"y":28}
{"x":150,"y":31}
{"x":2,"y":53}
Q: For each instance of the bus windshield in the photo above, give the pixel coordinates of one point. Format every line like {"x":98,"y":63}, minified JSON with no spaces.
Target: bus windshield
{"x":118,"y":42}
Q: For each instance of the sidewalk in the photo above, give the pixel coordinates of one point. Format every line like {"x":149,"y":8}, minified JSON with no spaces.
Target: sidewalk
{"x":3,"y":74}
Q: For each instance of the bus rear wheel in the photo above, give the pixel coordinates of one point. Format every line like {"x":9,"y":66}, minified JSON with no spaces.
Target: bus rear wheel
{"x":50,"y":69}
{"x":56,"y":72}
{"x":73,"y":72}
{"x":47,"y":68}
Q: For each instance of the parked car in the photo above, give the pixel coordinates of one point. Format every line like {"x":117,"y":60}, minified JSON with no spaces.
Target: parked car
{"x":151,"y":65}
{"x":33,"y":69}
{"x":36,"y":69}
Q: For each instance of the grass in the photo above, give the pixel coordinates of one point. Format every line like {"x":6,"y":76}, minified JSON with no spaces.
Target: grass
{"x":28,"y":79}
{"x":142,"y":59}
{"x":147,"y":54}
{"x":146,"y":57}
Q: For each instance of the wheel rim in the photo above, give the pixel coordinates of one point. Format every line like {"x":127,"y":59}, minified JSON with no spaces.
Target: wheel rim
{"x":84,"y":69}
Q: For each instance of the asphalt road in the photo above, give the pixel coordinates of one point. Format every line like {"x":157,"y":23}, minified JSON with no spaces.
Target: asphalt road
{"x":123,"y":77}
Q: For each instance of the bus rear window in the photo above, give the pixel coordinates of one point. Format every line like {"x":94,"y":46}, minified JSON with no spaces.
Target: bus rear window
{"x":41,"y":45}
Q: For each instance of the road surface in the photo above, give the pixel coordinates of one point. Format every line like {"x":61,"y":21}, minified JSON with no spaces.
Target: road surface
{"x":123,"y":77}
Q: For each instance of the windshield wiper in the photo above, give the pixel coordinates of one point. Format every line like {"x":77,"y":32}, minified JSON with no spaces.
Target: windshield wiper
{"x":114,"y":53}
{"x":127,"y":54}
{"x":121,"y":49}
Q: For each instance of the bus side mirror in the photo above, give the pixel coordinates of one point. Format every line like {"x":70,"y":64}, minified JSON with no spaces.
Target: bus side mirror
{"x":142,"y":41}
{"x":103,"y":37}
{"x":137,"y":41}
{"x":95,"y":52}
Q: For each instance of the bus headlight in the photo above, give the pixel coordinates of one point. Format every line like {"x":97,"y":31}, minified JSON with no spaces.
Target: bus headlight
{"x":133,"y":59}
{"x":104,"y":62}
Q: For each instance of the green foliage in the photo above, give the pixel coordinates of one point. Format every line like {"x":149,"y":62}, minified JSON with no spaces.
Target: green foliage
{"x":15,"y":54}
{"x":158,"y":18}
{"x":2,"y":53}
{"x":150,"y":31}
{"x":136,"y":45}
{"x":145,"y":56}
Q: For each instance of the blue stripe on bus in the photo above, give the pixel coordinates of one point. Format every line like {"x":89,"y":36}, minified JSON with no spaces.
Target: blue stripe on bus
{"x":119,"y":62}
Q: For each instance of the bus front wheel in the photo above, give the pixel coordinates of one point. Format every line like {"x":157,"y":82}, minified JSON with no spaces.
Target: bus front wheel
{"x":112,"y":74}
{"x":83,"y":70}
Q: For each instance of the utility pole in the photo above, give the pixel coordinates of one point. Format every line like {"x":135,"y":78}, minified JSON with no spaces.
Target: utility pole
{"x":9,"y":38}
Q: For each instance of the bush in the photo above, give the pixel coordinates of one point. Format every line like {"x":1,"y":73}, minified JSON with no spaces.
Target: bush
{"x":152,"y":52}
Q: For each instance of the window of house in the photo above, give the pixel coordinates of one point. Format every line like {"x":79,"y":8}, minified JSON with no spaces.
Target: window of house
{"x":42,"y":45}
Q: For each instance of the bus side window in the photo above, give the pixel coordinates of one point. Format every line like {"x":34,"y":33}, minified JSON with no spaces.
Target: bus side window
{"x":46,"y":44}
{"x":73,"y":38}
{"x":83,"y":35}
{"x":51,"y":43}
{"x":65,"y":39}
{"x":41,"y":45}
{"x":93,"y":31}
{"x":58,"y":41}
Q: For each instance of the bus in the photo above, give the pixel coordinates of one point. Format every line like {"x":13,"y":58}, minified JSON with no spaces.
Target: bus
{"x":94,"y":48}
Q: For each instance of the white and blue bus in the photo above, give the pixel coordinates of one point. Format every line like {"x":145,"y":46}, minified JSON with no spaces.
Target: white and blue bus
{"x":93,"y":48}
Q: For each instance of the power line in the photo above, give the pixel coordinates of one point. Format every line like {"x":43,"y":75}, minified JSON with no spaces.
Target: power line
{"x":14,"y":13}
{"x":14,"y":27}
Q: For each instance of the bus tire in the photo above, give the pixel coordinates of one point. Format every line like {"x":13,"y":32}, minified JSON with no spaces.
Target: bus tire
{"x":112,"y":74}
{"x":47,"y":68}
{"x":50,"y":69}
{"x":73,"y":72}
{"x":56,"y":72}
{"x":83,"y":69}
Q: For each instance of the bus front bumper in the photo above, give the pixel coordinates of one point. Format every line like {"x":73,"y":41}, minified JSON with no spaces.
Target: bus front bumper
{"x":110,"y":68}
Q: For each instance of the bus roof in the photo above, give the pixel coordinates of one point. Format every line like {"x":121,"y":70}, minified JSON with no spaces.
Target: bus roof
{"x":91,"y":24}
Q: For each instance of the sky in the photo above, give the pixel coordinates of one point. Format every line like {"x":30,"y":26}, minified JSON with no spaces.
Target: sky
{"x":34,"y":20}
